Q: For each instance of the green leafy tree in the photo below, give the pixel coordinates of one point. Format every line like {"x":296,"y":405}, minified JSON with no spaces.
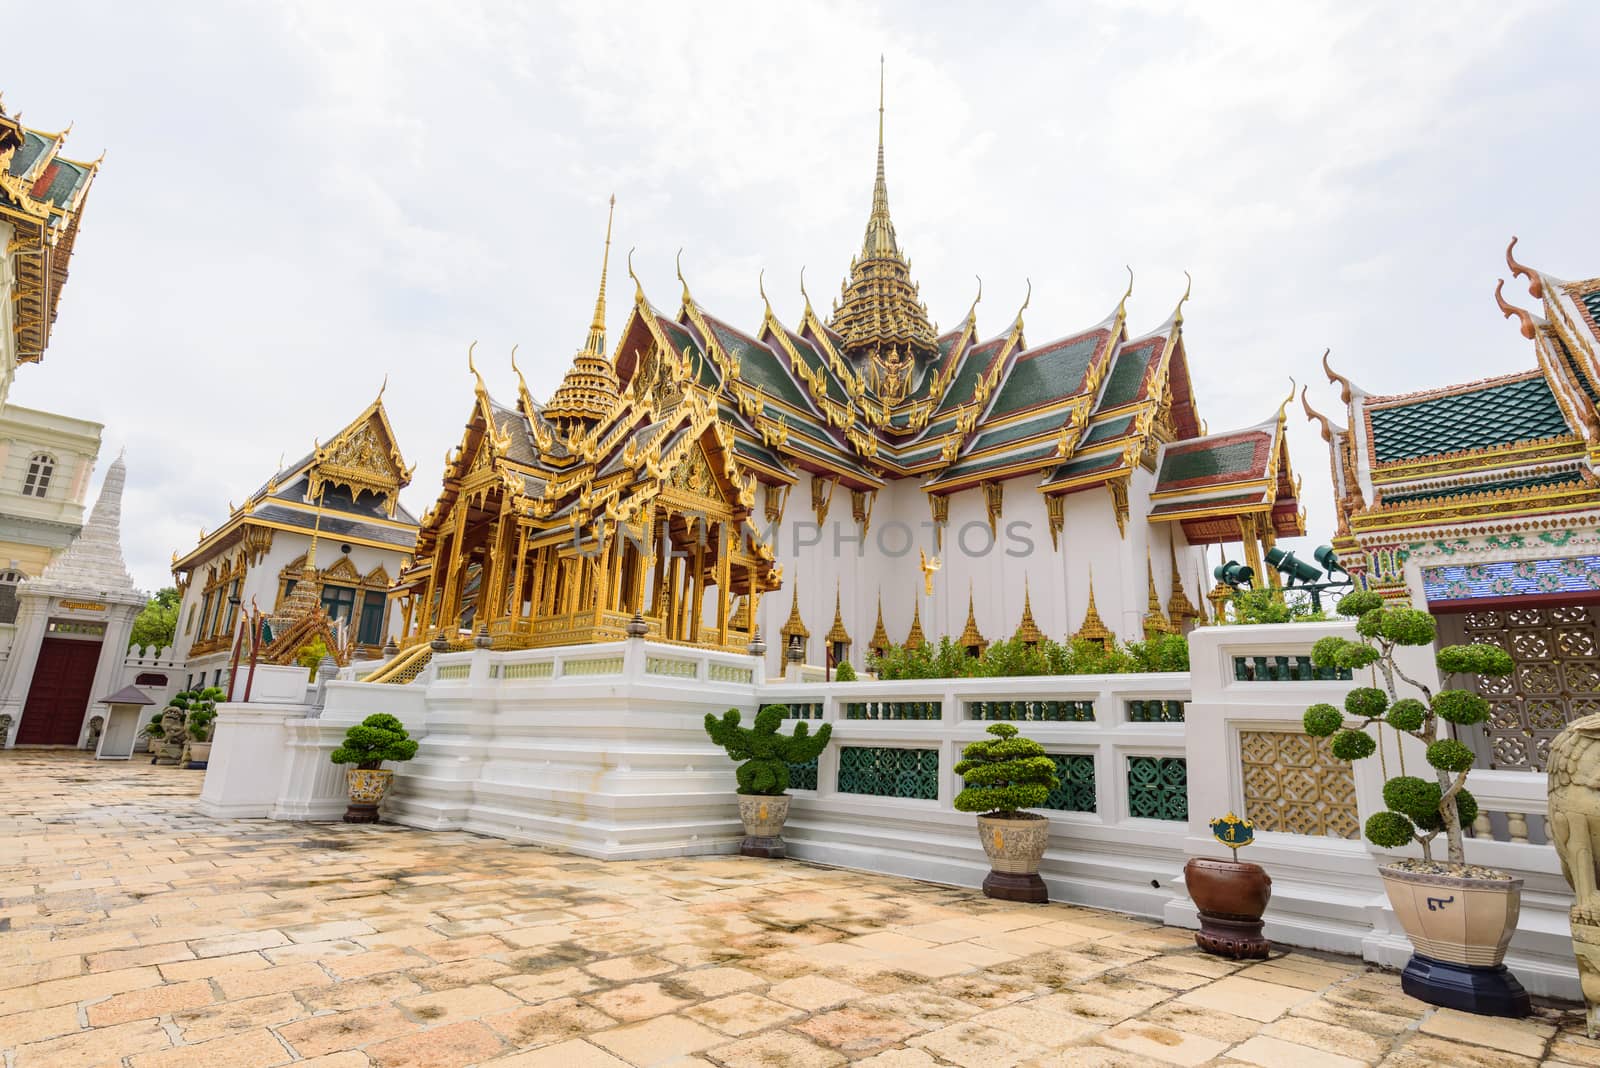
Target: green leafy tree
{"x":1004,"y":774}
{"x":766,"y":753}
{"x":157,"y":625}
{"x":1269,"y":605}
{"x":375,"y":739}
{"x":311,"y":654}
{"x":844,"y":673}
{"x":1164,"y":652}
{"x":1418,"y":809}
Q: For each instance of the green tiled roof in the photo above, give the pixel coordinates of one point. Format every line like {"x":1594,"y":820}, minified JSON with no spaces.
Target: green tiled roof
{"x":1222,"y":460}
{"x":1497,"y":414}
{"x":682,"y":340}
{"x":972,"y":467}
{"x":1122,"y":384}
{"x":1047,"y":374}
{"x":973,"y":364}
{"x":815,"y":361}
{"x":1017,"y":431}
{"x":759,"y":365}
{"x":1106,"y":429}
{"x":1235,"y":501}
{"x":1591,"y":302}
{"x":1565,"y":478}
{"x":1085,"y":465}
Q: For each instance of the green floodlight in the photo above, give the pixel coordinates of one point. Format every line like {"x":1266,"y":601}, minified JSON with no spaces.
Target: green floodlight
{"x":1295,"y":570}
{"x":1234,"y":574}
{"x":1329,"y":560}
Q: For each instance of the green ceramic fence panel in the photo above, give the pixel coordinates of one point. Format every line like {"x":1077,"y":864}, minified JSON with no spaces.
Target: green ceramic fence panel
{"x":1033,"y":711}
{"x":1284,"y":669}
{"x":888,"y":772}
{"x":1075,"y":791}
{"x":799,"y":710}
{"x":1158,"y":788}
{"x":894,"y":710}
{"x":1156,"y":711}
{"x":803,"y":776}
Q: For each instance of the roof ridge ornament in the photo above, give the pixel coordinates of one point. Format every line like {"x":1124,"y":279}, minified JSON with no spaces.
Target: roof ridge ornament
{"x":1518,"y":270}
{"x":1283,"y":409}
{"x":678,"y":262}
{"x":1347,"y":389}
{"x":1529,"y":330}
{"x":1313,"y":415}
{"x":1026,"y":300}
{"x":972,"y":312}
{"x":474,"y":369}
{"x":1177,"y":313}
{"x":596,"y":341}
{"x":638,"y":286}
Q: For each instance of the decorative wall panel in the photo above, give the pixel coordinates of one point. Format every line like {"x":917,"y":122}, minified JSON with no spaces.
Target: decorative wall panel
{"x":1292,"y":784}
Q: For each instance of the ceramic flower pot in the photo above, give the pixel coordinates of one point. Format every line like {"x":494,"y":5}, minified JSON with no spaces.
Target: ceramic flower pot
{"x":1460,"y":918}
{"x":367,"y":788}
{"x":199,"y":755}
{"x":763,"y":824}
{"x":1231,"y":896}
{"x":1014,"y":847}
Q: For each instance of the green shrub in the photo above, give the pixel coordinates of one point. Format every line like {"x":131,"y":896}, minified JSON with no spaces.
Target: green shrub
{"x":1004,"y":774}
{"x":765,"y":753}
{"x":202,"y":710}
{"x":375,"y":739}
{"x":844,"y":672}
{"x":1009,"y":658}
{"x":310,"y":655}
{"x":1418,"y":810}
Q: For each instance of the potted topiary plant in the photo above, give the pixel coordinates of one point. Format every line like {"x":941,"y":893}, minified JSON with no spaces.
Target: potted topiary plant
{"x":764,"y":775}
{"x":151,"y":736}
{"x":1459,"y":916}
{"x":1003,"y":776}
{"x":202,"y":711}
{"x":367,"y":745}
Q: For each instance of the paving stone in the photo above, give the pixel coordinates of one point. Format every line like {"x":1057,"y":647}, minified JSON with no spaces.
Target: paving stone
{"x":813,"y":992}
{"x":653,"y":1042}
{"x":344,"y":1030}
{"x":209,"y":967}
{"x":36,"y":1025}
{"x":574,"y":1054}
{"x":546,"y":986}
{"x":102,"y":1045}
{"x":552,"y":1021}
{"x":249,"y":1049}
{"x":1163,"y":1044}
{"x":1426,"y":1051}
{"x":359,"y":992}
{"x":857,"y":1029}
{"x":1526,"y":1038}
{"x":249,"y":984}
{"x":151,"y":1003}
{"x":451,"y":1046}
{"x":1329,"y":1037}
{"x":458,"y":1003}
{"x":1276,"y":1053}
{"x":741,"y":1014}
{"x":269,"y":1010}
{"x":1247,"y":997}
{"x":776,"y":1048}
{"x":637,"y":1001}
{"x":972,"y":1045}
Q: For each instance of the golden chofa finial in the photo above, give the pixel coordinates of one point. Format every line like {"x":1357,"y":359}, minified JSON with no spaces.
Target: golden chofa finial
{"x":1528,"y":329}
{"x":1535,"y":286}
{"x":972,"y":312}
{"x":804,"y":295}
{"x":1283,"y":409}
{"x":761,"y":286}
{"x":381,"y":388}
{"x":1346,"y":389}
{"x":1026,"y":300}
{"x":678,"y":261}
{"x":522,"y":383}
{"x":1122,"y":305}
{"x":638,"y":287}
{"x":474,"y":369}
{"x":1177,"y":313}
{"x":1314,"y":415}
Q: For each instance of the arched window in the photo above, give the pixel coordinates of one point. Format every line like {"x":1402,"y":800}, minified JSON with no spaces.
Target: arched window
{"x":41,"y":465}
{"x":151,"y":678}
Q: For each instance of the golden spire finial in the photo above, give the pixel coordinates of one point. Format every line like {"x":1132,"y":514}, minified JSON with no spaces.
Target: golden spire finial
{"x":522,"y":383}
{"x":1177,"y":313}
{"x":880,"y":106}
{"x":972,"y":312}
{"x":1528,"y":329}
{"x":880,"y":241}
{"x":1027,"y":300}
{"x":1535,"y":286}
{"x":638,"y":287}
{"x":678,"y":263}
{"x":761,"y":285}
{"x":596,"y":342}
{"x":806,"y":296}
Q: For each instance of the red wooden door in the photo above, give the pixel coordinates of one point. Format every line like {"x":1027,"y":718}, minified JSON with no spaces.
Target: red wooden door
{"x":59,"y":694}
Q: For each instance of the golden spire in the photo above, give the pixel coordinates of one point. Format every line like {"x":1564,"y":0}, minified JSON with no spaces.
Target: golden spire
{"x":971,"y":637}
{"x":880,"y":314}
{"x":1179,"y":607}
{"x":1155,"y":620}
{"x":915,"y":639}
{"x":596,"y":344}
{"x":837,"y":633}
{"x":880,"y":633}
{"x":590,"y":387}
{"x":1094,"y":628}
{"x":794,"y":626}
{"x":1028,"y":632}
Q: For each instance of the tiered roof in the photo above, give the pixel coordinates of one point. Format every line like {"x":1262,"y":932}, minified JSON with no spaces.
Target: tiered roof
{"x":42,"y":194}
{"x":1519,"y":445}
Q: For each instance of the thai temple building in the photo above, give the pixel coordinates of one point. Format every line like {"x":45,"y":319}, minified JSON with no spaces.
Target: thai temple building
{"x":1479,"y":501}
{"x":46,"y":458}
{"x":855,"y":479}
{"x":315,"y":549}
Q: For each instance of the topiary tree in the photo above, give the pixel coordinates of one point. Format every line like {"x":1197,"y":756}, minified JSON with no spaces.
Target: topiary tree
{"x":766,"y":753}
{"x":1005,"y":774}
{"x":200,"y":710}
{"x":375,"y":739}
{"x":1418,"y":809}
{"x":844,"y":673}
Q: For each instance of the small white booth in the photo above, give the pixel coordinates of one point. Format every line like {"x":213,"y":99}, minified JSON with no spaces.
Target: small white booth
{"x":124,"y":711}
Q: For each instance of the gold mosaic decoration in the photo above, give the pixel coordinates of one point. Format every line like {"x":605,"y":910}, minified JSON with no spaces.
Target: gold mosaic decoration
{"x":1293,"y":785}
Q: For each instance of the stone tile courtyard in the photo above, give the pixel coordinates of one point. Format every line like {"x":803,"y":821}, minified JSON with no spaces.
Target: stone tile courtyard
{"x":135,"y":932}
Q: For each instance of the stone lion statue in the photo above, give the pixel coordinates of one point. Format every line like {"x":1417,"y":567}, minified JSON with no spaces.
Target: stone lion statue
{"x":1574,"y":771}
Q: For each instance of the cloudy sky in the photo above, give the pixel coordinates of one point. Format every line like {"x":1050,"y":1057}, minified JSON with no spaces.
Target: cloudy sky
{"x":299,"y":198}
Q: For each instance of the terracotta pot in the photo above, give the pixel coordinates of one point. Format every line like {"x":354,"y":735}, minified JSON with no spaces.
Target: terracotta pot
{"x":763,"y":818}
{"x":367,"y":788}
{"x":1014,"y":847}
{"x":1459,"y":924}
{"x":1231,"y":896}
